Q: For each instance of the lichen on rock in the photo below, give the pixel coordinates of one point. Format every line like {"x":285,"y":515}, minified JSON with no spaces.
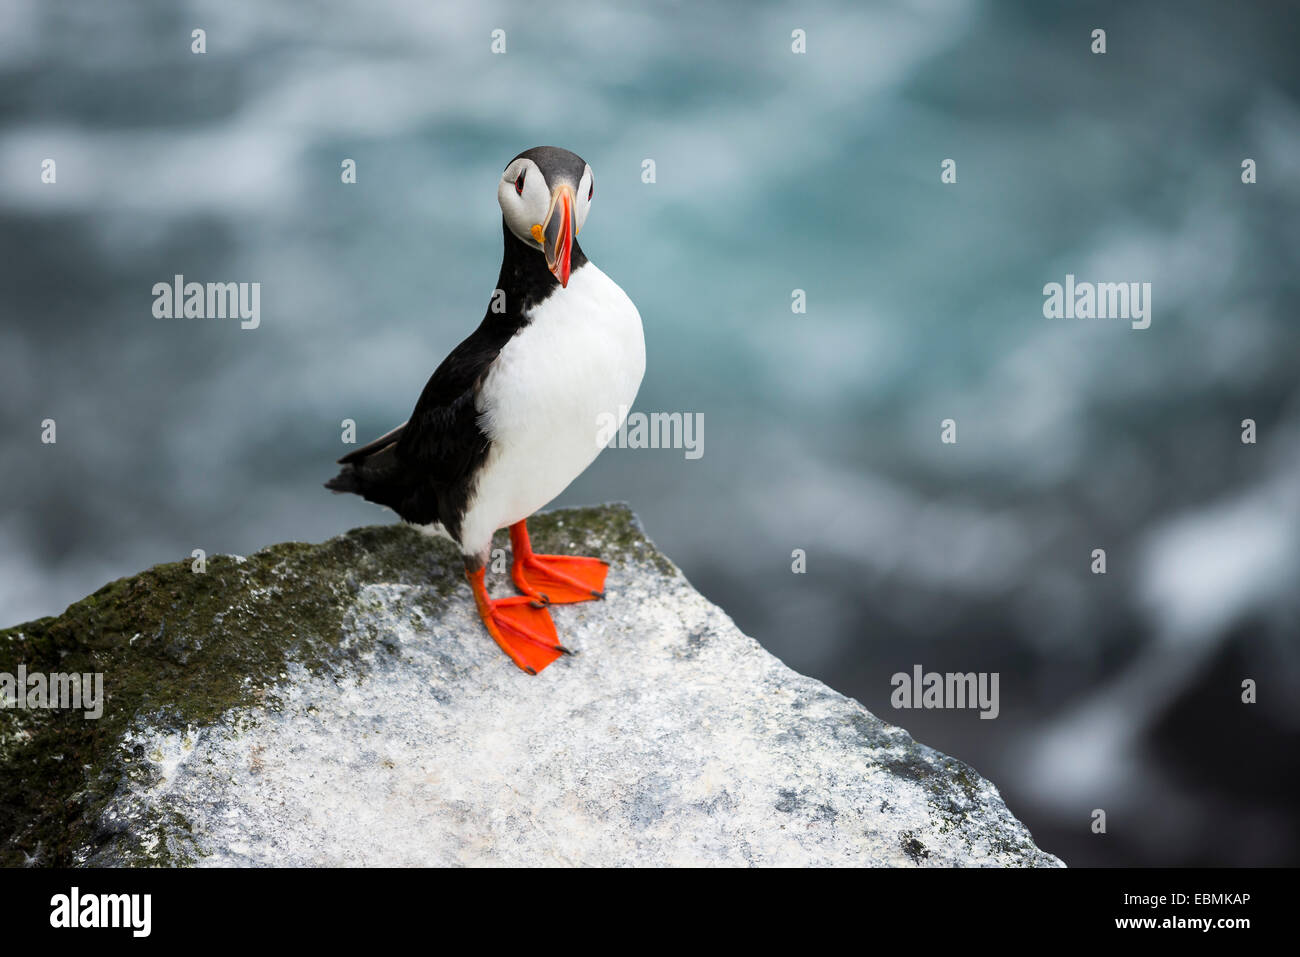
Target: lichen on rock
{"x":340,"y":704}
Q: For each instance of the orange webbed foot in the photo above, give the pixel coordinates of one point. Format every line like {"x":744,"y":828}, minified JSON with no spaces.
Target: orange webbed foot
{"x":555,"y":579}
{"x":523,"y":629}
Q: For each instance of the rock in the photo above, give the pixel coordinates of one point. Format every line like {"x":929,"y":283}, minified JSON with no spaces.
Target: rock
{"x":340,"y":704}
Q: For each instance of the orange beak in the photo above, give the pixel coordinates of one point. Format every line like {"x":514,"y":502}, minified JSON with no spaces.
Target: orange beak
{"x":557,"y":233}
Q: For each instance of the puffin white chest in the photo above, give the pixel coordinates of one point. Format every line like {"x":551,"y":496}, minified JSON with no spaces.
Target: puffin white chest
{"x":548,"y":399}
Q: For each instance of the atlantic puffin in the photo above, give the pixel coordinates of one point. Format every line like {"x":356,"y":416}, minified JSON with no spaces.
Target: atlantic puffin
{"x":514,"y":413}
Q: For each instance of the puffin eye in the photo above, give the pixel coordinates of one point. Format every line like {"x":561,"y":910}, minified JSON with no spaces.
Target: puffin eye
{"x":591,"y":190}
{"x":519,"y":184}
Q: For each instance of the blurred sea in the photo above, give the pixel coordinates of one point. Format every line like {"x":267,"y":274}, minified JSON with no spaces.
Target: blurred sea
{"x":774,"y":172}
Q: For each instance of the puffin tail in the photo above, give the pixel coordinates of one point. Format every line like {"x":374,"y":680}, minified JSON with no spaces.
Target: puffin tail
{"x":346,"y":481}
{"x":373,"y":471}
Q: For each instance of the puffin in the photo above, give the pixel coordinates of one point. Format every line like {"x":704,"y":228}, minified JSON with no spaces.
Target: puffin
{"x":515,"y":412}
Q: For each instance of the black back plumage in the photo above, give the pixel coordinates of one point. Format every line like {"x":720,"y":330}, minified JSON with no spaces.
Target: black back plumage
{"x":426,"y":470}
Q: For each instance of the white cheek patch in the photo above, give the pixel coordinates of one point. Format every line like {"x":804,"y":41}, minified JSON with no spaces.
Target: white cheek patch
{"x":584,"y":204}
{"x":537,"y":198}
{"x":523,"y":210}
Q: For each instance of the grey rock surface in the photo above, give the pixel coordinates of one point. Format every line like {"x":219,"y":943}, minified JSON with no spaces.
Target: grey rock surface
{"x":390,"y":730}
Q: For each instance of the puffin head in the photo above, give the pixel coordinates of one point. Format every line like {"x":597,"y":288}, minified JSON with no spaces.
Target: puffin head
{"x":545,"y":193}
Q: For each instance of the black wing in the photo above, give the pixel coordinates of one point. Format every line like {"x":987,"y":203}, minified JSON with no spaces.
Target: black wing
{"x":424,"y":469}
{"x":377,"y":445}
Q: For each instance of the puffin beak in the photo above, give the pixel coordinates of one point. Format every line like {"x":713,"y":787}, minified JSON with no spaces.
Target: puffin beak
{"x":557,"y":232}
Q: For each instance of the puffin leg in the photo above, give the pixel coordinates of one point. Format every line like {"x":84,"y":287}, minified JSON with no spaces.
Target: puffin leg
{"x":524,"y":631}
{"x":554,"y":579}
